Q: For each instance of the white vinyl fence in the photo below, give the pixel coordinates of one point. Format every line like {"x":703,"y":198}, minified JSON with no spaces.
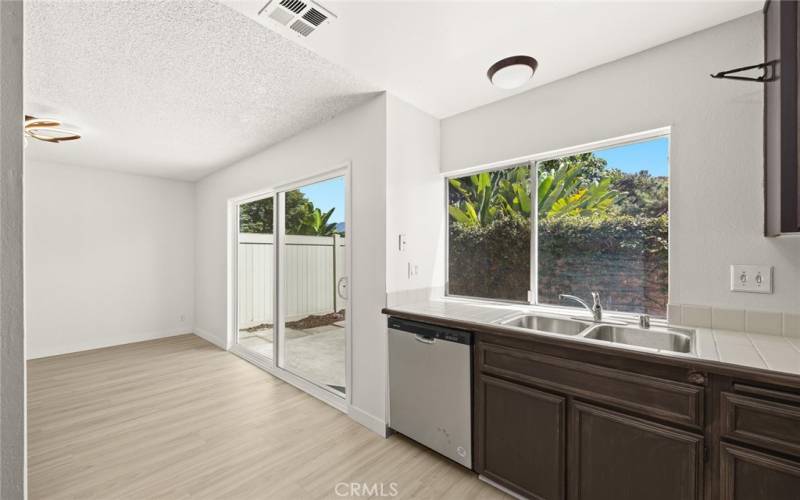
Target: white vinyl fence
{"x":313,"y":266}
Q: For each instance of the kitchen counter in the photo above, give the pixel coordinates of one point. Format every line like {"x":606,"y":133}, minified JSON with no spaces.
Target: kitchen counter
{"x":729,"y":352}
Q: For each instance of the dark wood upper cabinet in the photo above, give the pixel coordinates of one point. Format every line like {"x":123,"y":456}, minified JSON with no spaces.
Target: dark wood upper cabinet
{"x":781,"y":166}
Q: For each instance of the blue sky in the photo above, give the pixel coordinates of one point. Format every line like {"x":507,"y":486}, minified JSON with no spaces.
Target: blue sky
{"x":649,"y":155}
{"x":326,"y":195}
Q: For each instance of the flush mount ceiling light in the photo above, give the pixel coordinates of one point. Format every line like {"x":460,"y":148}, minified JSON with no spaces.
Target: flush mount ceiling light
{"x":512,"y":72}
{"x":46,"y":129}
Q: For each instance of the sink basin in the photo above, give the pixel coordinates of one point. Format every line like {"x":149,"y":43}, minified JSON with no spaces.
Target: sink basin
{"x":546,"y":324}
{"x":665,"y":340}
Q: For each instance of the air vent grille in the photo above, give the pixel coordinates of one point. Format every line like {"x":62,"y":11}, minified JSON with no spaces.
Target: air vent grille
{"x":302,"y":28}
{"x":295,"y":6}
{"x":314,"y":16}
{"x":299,"y":18}
{"x":282,"y":16}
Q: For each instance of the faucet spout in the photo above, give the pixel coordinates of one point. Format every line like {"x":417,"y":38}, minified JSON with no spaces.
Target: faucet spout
{"x":596,"y":309}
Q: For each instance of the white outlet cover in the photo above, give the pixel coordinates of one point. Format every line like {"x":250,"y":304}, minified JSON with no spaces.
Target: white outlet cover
{"x":750,"y":278}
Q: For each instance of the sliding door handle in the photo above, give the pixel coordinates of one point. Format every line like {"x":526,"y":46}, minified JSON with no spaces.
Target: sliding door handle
{"x":341,"y":287}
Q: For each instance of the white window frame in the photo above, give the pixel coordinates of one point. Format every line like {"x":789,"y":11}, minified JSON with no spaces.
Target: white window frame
{"x":532,"y":161}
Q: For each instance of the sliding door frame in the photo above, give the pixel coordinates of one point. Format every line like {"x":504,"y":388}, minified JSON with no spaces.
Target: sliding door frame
{"x":235,"y":213}
{"x":271,"y":366}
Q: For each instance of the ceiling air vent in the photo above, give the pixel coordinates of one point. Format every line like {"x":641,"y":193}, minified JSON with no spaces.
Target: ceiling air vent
{"x":295,"y":6}
{"x":302,"y":28}
{"x":314,"y":16}
{"x":303,"y":17}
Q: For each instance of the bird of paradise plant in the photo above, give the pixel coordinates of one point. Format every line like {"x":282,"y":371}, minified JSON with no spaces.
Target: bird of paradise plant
{"x":562,"y":191}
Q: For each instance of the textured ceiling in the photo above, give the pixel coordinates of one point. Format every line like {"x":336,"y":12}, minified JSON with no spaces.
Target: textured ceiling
{"x":173,"y":89}
{"x":435,"y":53}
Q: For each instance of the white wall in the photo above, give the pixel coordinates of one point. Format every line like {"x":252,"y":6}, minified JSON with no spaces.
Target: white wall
{"x":359,"y":137}
{"x":716,"y":157}
{"x":415,"y":198}
{"x":109,"y":258}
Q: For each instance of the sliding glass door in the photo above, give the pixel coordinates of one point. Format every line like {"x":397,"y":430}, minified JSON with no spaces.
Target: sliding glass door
{"x":314,"y":283}
{"x":291,"y":281}
{"x":256,"y":276}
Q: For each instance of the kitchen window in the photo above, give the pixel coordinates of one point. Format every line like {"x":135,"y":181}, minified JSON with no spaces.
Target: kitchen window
{"x":596,"y":220}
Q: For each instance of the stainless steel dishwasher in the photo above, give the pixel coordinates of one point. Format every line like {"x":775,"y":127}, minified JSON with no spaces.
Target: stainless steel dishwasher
{"x":430,"y":387}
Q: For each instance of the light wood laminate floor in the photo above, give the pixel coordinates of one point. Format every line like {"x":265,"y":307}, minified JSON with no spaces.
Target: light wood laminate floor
{"x":180,"y":418}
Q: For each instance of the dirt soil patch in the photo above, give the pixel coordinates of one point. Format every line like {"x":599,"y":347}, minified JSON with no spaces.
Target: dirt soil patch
{"x":311,"y":321}
{"x":256,"y":328}
{"x":314,"y":321}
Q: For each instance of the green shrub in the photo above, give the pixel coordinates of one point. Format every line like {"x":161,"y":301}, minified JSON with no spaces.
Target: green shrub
{"x":601,"y":234}
{"x":623,"y":257}
{"x":492,"y":260}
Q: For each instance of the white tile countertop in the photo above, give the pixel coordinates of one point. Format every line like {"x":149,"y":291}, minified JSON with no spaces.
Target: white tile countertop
{"x":742,"y":349}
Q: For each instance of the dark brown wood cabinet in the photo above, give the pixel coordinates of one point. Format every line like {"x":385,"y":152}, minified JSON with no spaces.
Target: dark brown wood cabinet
{"x":550,"y":427}
{"x":667,"y":400}
{"x":763,"y":423}
{"x":759,"y":441}
{"x":553,"y":423}
{"x":615,"y":456}
{"x":746,"y":474}
{"x":781,"y":115}
{"x":523,"y":444}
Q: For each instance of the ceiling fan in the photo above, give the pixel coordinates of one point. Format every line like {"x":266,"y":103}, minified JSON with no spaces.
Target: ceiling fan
{"x":47,"y":130}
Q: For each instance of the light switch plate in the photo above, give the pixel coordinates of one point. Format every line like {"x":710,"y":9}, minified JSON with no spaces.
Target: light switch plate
{"x":413,"y":270}
{"x":753,"y":279}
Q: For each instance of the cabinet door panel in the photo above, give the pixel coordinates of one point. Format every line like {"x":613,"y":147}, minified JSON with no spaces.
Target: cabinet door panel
{"x":521,"y":438}
{"x":613,"y":456}
{"x":747,"y":474}
{"x":667,"y":400}
{"x":761,"y":422}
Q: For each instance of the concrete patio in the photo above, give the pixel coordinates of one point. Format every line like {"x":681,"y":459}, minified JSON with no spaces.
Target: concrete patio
{"x":315,"y":354}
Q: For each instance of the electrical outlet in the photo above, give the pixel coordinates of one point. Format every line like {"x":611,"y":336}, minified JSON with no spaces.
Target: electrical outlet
{"x":753,"y":279}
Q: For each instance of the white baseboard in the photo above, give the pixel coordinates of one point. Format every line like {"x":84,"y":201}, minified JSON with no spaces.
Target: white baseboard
{"x":206,"y":335}
{"x":57,"y":350}
{"x":368,"y":420}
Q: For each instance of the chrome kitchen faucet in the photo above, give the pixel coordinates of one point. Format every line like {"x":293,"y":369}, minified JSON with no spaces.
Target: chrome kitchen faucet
{"x":596,"y":309}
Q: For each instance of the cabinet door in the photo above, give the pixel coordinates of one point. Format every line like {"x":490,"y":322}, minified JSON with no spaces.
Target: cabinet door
{"x":521,"y":438}
{"x":613,"y":456}
{"x":747,"y":474}
{"x":781,"y":166}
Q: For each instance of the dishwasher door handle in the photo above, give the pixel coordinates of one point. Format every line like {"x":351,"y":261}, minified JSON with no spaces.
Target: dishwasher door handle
{"x":424,"y":339}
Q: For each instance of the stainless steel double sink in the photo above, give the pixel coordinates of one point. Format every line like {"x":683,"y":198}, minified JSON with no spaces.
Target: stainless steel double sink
{"x":679,"y":340}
